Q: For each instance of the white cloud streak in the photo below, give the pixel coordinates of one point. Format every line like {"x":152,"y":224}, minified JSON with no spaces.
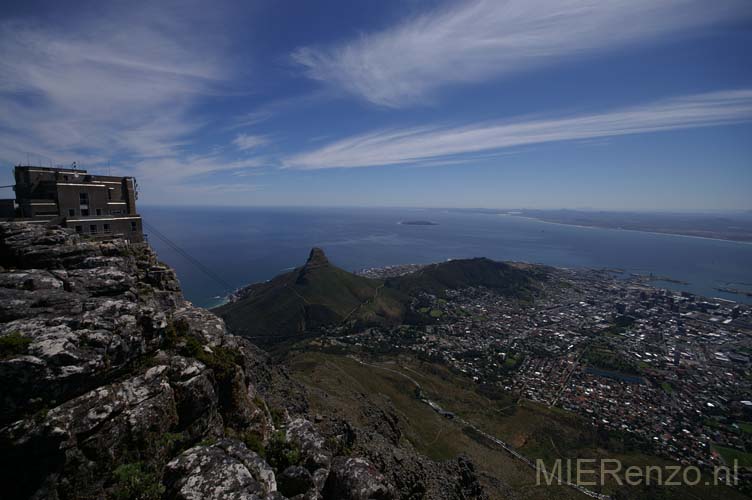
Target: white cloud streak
{"x":78,"y":90}
{"x":202,"y":194}
{"x":121,"y":82}
{"x":175,"y":169}
{"x":482,"y":39}
{"x":429,"y":144}
{"x":245,"y":142}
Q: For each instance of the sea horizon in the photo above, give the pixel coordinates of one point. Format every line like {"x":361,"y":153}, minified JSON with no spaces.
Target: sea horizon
{"x":244,"y":245}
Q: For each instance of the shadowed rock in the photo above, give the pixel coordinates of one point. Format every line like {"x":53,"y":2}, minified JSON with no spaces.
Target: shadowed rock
{"x":317,"y":258}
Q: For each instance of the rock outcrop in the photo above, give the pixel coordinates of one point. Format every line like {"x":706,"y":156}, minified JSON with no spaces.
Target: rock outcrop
{"x":226,"y":469}
{"x":112,"y":385}
{"x":317,"y":258}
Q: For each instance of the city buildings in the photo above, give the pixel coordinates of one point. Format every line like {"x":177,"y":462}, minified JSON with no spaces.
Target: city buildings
{"x":666,"y":372}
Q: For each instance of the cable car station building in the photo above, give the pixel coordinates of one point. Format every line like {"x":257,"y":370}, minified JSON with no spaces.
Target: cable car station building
{"x":100,"y":206}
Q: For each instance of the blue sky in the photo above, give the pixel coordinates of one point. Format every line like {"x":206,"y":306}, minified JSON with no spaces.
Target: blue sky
{"x":639,"y":104}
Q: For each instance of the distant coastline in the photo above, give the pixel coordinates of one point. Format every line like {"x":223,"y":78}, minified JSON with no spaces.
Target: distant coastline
{"x":664,"y":233}
{"x":740,"y":235}
{"x":273,"y":239}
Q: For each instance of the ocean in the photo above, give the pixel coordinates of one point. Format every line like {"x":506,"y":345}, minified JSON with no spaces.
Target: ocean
{"x":239,"y":246}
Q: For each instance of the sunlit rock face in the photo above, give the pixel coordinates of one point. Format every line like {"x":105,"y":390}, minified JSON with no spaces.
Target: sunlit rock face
{"x":112,"y":385}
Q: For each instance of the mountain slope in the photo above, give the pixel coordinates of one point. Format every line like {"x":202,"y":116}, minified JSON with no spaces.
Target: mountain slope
{"x":513,"y":280}
{"x":320,"y":294}
{"x":307,"y":298}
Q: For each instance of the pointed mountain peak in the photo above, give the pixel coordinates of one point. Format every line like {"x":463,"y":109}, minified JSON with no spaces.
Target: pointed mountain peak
{"x":317,"y":258}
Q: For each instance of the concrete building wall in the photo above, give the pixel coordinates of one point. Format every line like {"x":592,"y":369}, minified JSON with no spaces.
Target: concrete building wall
{"x":129,"y":227}
{"x":97,"y":205}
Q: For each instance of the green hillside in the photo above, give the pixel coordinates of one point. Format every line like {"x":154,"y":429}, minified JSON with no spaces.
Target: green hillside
{"x":379,"y":393}
{"x":307,"y":298}
{"x":518,"y":280}
{"x":320,"y":294}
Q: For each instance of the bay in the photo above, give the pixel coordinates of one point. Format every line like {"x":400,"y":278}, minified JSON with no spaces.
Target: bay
{"x":244,"y":245}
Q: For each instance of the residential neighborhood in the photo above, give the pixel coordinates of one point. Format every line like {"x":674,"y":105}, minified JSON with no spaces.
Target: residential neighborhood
{"x":668,"y":369}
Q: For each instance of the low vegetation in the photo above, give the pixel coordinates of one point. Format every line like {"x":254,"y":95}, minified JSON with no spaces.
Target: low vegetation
{"x":604,"y":358}
{"x":280,"y":453}
{"x":729,"y":455}
{"x":13,"y":344}
{"x":134,"y":481}
{"x":537,"y":431}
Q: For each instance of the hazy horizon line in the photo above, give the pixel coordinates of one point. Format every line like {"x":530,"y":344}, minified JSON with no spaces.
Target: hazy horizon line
{"x":686,"y":211}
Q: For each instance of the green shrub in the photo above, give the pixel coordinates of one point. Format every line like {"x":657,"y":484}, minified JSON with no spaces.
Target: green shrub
{"x":278,"y":416}
{"x":13,"y":344}
{"x":172,"y":441}
{"x":209,"y":441}
{"x":134,"y":482}
{"x":175,"y":332}
{"x":280,"y":453}
{"x":41,"y":415}
{"x":221,"y":359}
{"x":254,"y":442}
{"x":338,"y":447}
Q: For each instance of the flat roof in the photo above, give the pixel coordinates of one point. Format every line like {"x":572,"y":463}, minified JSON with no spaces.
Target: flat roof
{"x":51,"y":169}
{"x":74,"y":171}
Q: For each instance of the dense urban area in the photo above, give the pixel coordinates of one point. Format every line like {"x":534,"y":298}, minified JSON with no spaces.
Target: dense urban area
{"x":670,"y":370}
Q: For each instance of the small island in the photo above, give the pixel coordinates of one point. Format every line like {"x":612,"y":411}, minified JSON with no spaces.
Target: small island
{"x":418,"y":223}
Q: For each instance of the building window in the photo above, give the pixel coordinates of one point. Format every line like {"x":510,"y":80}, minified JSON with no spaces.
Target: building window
{"x":93,"y":229}
{"x":116,"y":212}
{"x":106,"y":228}
{"x":109,"y":194}
{"x":99,"y":211}
{"x":134,"y":226}
{"x":65,"y":178}
{"x":79,"y":229}
{"x":83,"y":200}
{"x":71,"y":212}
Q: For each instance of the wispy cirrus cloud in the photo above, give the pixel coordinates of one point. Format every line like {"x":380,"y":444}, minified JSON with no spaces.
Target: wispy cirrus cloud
{"x":205,"y":193}
{"x":174,"y":169}
{"x":118,"y":81}
{"x":481,"y":39}
{"x":245,"y":142}
{"x":85,"y":88}
{"x":432,"y":144}
{"x":164,"y":180}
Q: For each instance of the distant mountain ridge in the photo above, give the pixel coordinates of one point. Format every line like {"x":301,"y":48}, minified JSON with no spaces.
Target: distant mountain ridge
{"x":510,"y":279}
{"x":320,"y":294}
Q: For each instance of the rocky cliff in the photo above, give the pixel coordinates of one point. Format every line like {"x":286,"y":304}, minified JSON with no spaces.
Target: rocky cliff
{"x":112,"y":385}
